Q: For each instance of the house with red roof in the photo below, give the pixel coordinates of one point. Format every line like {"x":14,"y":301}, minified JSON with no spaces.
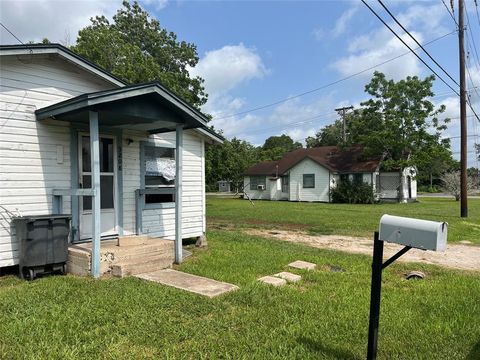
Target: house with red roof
{"x":310,"y":174}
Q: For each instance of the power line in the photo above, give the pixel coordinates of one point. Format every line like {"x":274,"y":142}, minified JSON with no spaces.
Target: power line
{"x":450,"y":13}
{"x":414,"y":39}
{"x":310,"y":119}
{"x":329,"y":84}
{"x":404,"y":43}
{"x":476,"y":10}
{"x":472,"y":37}
{"x":11,"y":33}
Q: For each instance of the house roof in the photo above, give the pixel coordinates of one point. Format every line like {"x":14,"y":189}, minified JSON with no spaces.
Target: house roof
{"x":90,"y":101}
{"x":334,"y":158}
{"x":69,"y":55}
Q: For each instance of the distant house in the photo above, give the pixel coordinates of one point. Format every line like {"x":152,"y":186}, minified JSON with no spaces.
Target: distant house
{"x":310,"y":174}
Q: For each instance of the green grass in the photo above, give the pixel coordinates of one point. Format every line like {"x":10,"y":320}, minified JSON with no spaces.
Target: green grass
{"x":325,"y":316}
{"x":343,"y":219}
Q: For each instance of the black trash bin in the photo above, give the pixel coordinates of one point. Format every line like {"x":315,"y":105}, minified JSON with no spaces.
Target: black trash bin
{"x":43,"y":244}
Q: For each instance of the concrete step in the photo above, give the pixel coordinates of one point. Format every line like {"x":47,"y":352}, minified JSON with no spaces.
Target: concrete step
{"x":123,"y":269}
{"x":150,"y":247}
{"x":140,"y":257}
{"x":132,"y":240}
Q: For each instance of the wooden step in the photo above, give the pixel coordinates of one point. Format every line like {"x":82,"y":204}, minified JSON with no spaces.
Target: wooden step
{"x":134,"y":268}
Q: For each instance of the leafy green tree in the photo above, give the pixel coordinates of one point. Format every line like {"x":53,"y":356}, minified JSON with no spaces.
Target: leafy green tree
{"x":276,"y":146}
{"x":399,"y":121}
{"x":137,"y":49}
{"x":329,"y":135}
{"x":228,"y":161}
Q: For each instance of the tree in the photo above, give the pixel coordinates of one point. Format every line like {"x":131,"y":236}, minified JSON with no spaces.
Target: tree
{"x":330,"y":135}
{"x":228,"y":161}
{"x":399,"y":121}
{"x":137,"y":49}
{"x":276,"y":146}
{"x":451,"y":183}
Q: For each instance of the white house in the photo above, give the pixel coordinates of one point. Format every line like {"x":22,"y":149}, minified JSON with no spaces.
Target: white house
{"x":310,"y":174}
{"x":76,"y":139}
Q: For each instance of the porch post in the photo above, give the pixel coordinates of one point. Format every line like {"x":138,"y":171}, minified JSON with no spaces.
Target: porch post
{"x":178,"y":192}
{"x":95,"y":168}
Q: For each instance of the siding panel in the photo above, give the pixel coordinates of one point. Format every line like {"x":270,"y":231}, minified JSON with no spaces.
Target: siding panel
{"x":30,"y":169}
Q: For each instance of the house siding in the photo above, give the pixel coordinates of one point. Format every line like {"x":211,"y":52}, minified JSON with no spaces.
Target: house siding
{"x":322,"y":182}
{"x":34,"y":157}
{"x":257,"y":194}
{"x":161,"y":222}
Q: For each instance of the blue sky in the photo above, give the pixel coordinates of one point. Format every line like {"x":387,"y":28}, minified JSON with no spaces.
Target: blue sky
{"x":257,"y":53}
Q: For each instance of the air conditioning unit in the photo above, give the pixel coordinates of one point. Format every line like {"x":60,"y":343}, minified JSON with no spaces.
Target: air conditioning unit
{"x":261,"y":187}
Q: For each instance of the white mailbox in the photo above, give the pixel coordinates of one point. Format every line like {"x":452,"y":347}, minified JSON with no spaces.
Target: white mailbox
{"x":420,"y":234}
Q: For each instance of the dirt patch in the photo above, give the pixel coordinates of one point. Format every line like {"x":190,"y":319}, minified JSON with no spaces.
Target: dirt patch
{"x":462,"y":257}
{"x":221,"y":224}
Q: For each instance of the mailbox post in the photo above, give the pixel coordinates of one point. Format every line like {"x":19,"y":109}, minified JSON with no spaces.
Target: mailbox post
{"x":412,"y":233}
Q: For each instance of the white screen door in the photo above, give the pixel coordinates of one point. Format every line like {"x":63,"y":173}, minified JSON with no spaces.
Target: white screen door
{"x":107,"y":186}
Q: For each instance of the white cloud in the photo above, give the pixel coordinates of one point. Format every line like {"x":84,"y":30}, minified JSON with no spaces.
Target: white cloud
{"x":157,"y":4}
{"x":343,"y":21}
{"x":226,"y":68}
{"x":294,"y":118}
{"x":341,"y":25}
{"x":59,"y":21}
{"x":380,"y":44}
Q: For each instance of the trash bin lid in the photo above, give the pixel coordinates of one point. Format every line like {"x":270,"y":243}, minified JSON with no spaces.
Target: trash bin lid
{"x":30,"y":218}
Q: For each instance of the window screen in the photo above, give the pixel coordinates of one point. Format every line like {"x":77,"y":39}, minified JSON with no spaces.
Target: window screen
{"x":159,"y":165}
{"x":308,"y":181}
{"x":257,"y":180}
{"x":285,"y":183}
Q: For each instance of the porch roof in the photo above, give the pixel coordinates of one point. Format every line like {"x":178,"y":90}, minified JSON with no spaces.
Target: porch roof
{"x":145,"y":107}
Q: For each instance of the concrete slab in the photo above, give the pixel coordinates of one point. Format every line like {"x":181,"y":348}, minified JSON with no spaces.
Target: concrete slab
{"x":303,"y":265}
{"x":271,"y":280}
{"x":288,"y":276}
{"x":193,"y":283}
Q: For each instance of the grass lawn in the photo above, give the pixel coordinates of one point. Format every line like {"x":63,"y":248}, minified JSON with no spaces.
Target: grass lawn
{"x":343,"y":219}
{"x":325,"y":316}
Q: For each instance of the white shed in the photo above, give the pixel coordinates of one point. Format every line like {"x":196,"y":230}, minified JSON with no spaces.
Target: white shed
{"x":55,"y":108}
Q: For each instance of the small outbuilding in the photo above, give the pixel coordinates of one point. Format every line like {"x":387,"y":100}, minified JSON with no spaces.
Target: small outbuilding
{"x":310,"y":174}
{"x":224,"y":186}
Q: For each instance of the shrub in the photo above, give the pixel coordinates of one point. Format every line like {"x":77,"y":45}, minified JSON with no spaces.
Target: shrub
{"x":429,"y":189}
{"x":352,"y":193}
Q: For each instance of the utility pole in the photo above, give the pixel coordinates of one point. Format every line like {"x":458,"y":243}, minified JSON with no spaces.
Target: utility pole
{"x":342,"y":112}
{"x":463,"y":113}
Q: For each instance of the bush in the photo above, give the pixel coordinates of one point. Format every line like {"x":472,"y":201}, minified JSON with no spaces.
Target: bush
{"x":429,"y":189}
{"x":352,"y":193}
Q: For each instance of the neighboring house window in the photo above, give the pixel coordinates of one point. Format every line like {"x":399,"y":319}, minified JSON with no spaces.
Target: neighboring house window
{"x":285,"y":183}
{"x":343,"y":177}
{"x":257,"y":180}
{"x":308,"y":181}
{"x":357,"y":178}
{"x":159,"y":173}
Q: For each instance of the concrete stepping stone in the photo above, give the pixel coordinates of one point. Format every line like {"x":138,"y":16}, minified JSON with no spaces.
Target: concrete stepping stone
{"x":288,"y":276}
{"x":303,"y":265}
{"x":272,"y":280}
{"x":193,"y":283}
